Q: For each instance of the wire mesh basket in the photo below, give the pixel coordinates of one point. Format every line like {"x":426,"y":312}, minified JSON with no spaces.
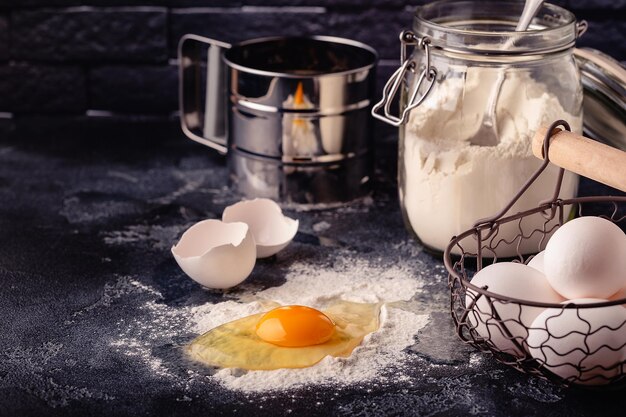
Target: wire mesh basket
{"x":580,"y":344}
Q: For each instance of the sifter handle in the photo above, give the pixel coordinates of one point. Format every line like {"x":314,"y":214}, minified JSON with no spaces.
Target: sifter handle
{"x":584,"y":156}
{"x":206,"y":125}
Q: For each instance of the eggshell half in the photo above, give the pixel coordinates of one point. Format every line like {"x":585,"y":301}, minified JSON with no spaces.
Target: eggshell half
{"x":216,"y":254}
{"x":271,"y":229}
{"x":582,"y":345}
{"x":586,"y":258}
{"x":512,"y":280}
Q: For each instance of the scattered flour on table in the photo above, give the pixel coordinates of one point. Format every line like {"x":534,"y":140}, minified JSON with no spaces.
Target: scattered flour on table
{"x":160,"y":237}
{"x":379,"y":358}
{"x":321,"y":226}
{"x":352,"y":281}
{"x":379,"y":351}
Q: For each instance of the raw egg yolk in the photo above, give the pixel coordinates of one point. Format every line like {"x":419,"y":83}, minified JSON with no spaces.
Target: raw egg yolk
{"x":295,"y":326}
{"x":243,"y":343}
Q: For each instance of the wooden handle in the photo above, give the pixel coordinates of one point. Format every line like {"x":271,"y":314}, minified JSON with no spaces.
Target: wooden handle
{"x":584,"y":156}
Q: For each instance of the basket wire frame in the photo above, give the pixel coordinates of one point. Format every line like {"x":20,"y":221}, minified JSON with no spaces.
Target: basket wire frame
{"x":506,"y":337}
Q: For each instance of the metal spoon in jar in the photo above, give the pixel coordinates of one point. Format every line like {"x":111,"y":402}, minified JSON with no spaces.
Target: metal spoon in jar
{"x":487,"y":134}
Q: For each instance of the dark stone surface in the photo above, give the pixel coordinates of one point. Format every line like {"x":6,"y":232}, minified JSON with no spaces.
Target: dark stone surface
{"x":171,"y":3}
{"x":606,"y":35}
{"x":4,"y":38}
{"x":591,"y":4}
{"x":92,"y":132}
{"x":149,"y":89}
{"x":571,"y":4}
{"x":41,"y":3}
{"x":219,"y":24}
{"x":208,"y":3}
{"x":123,"y":33}
{"x":384,"y":70}
{"x":205,"y":3}
{"x":41,"y":88}
{"x":334,"y":4}
{"x":94,"y":307}
{"x":88,"y":34}
{"x":378,"y":28}
{"x":375,"y":27}
{"x":7,"y":127}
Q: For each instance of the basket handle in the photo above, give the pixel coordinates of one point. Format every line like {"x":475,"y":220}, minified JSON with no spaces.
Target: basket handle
{"x":583,"y":156}
{"x":575,"y":153}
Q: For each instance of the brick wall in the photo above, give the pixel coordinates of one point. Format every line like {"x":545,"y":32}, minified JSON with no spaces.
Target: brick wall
{"x":112,"y":62}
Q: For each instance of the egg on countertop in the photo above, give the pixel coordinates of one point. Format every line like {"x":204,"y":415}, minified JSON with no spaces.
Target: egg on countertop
{"x":582,"y":345}
{"x":287,"y":337}
{"x":586,"y":258}
{"x":585,"y":261}
{"x":508,"y":279}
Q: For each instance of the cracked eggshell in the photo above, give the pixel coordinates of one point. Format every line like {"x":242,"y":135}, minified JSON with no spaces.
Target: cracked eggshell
{"x":271,"y":229}
{"x":216,"y":254}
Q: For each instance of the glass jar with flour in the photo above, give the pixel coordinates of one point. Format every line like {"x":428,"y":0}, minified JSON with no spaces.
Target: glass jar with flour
{"x":472,"y":95}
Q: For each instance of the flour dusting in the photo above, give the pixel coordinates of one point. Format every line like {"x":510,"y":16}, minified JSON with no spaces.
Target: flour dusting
{"x":380,"y":356}
{"x":379,"y":352}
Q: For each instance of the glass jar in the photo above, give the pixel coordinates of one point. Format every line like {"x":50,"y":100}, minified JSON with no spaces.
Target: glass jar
{"x":472,"y":95}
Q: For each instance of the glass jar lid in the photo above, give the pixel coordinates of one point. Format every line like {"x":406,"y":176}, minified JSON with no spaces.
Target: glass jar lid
{"x":477,"y":27}
{"x":604,"y":103}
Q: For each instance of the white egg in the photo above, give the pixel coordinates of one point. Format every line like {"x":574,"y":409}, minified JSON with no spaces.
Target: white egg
{"x":582,"y":345}
{"x":537,"y":261}
{"x":508,"y":279}
{"x":586,"y":258}
{"x":271,"y":229}
{"x":216,"y":254}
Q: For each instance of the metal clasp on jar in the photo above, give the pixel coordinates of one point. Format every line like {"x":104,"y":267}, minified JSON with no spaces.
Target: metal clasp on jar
{"x":393,"y":84}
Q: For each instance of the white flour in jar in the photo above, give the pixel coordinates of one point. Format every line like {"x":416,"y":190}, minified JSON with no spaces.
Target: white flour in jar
{"x":449,"y":183}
